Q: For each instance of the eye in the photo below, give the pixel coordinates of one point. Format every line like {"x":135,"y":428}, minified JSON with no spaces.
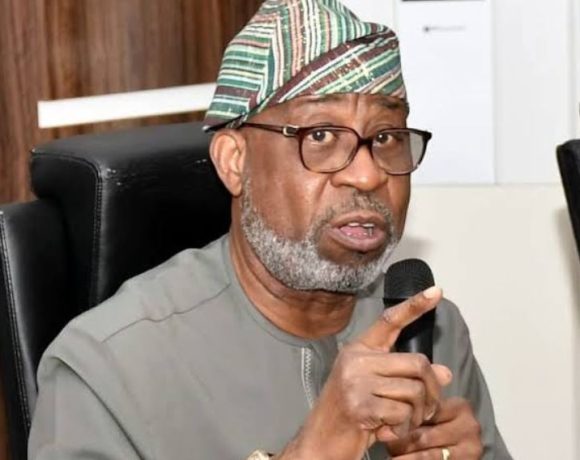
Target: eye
{"x":383,"y":138}
{"x":321,"y":136}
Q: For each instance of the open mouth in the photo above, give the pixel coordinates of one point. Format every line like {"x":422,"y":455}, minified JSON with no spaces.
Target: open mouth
{"x":363,"y":232}
{"x":358,"y":231}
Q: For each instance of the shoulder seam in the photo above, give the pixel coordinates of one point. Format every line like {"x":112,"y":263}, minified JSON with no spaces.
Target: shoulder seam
{"x":174,"y":313}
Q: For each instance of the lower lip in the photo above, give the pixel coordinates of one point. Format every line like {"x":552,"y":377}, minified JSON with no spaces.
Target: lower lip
{"x":367,"y":244}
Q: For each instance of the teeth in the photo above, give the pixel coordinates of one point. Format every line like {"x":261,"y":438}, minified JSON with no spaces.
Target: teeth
{"x":369,"y":227}
{"x":356,"y":224}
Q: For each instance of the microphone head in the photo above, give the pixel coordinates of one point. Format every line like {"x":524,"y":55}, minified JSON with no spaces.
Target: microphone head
{"x":406,"y":278}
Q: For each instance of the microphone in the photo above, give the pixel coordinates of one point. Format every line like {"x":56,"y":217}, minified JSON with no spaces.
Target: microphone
{"x":404,"y":279}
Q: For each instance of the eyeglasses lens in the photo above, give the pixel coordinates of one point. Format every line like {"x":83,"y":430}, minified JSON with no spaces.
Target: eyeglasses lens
{"x":331,"y":149}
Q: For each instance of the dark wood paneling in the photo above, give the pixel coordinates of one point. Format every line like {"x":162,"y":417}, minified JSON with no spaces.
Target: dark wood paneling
{"x":18,"y":94}
{"x":114,"y":46}
{"x":106,"y":46}
{"x":52,"y":49}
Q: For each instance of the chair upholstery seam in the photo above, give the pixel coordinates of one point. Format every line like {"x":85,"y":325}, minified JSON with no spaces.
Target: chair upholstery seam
{"x":14,"y":332}
{"x":97,"y":208}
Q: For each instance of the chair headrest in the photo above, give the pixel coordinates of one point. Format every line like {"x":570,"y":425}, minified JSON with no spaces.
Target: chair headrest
{"x":131,"y":200}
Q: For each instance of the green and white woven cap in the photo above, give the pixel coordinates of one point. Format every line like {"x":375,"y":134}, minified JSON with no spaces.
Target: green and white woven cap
{"x":293,"y":48}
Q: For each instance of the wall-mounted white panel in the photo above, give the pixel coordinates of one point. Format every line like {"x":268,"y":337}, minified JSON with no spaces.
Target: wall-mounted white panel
{"x":531,"y":48}
{"x":119,"y":106}
{"x":536,"y":101}
{"x":447,"y":62}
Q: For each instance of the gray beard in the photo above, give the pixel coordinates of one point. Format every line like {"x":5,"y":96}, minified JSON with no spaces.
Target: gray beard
{"x":298,"y":264}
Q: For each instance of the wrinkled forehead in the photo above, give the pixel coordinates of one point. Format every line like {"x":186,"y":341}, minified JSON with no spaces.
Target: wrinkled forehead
{"x":339,"y":104}
{"x":383,"y":101}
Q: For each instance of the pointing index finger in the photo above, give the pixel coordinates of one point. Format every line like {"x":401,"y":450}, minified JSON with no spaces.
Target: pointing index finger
{"x":384,"y":332}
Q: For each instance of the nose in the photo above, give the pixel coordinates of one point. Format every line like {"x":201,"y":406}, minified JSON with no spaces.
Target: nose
{"x":362,"y":173}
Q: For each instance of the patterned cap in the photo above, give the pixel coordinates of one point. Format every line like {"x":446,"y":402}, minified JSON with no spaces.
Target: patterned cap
{"x":293,"y":48}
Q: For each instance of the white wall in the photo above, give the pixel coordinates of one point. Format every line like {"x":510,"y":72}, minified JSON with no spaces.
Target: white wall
{"x":448,"y":68}
{"x":506,"y":256}
{"x":536,"y":101}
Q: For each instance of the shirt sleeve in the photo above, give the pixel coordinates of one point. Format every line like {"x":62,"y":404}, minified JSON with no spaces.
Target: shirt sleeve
{"x":82,"y":411}
{"x":453,"y":348}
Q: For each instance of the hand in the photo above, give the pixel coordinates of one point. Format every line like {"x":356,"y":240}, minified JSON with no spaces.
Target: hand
{"x":369,"y":388}
{"x":454,"y":427}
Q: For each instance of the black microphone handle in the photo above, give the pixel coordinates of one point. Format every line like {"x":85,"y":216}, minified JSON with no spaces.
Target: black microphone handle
{"x":417,"y":337}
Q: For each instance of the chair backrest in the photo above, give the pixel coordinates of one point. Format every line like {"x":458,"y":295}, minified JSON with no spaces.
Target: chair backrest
{"x":34,"y":304}
{"x":109,"y":206}
{"x":569,"y":163}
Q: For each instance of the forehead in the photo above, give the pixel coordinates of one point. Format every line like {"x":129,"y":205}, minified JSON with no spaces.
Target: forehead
{"x":373,"y":100}
{"x":349,"y":104}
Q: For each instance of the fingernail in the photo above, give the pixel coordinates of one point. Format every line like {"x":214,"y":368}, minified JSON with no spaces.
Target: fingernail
{"x":432,"y":292}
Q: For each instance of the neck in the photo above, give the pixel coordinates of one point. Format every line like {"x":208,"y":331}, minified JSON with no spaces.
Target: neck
{"x":306,"y":314}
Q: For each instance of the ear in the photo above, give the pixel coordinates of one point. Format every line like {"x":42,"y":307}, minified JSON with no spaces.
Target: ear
{"x":228,"y":152}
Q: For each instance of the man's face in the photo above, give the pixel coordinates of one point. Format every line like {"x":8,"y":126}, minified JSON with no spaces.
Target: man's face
{"x":315,"y":230}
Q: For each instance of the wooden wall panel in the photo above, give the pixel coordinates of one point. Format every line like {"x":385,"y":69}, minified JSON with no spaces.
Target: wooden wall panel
{"x":18,"y":95}
{"x":53,"y":49}
{"x":114,"y":46}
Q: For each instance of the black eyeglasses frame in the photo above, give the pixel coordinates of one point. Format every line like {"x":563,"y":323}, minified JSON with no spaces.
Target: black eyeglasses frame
{"x":300,"y":132}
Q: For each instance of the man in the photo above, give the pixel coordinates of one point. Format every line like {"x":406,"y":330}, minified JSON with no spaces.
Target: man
{"x":273,"y":338}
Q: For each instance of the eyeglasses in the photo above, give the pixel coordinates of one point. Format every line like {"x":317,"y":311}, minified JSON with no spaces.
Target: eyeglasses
{"x":328,"y":149}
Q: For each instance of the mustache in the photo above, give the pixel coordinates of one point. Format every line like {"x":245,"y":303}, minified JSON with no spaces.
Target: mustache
{"x":358,"y":201}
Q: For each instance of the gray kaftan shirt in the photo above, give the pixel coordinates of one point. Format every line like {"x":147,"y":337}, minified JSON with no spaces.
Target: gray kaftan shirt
{"x":179,"y":365}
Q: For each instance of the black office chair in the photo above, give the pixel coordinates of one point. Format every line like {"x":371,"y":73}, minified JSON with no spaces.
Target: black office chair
{"x":569,"y":163}
{"x":109,"y":206}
